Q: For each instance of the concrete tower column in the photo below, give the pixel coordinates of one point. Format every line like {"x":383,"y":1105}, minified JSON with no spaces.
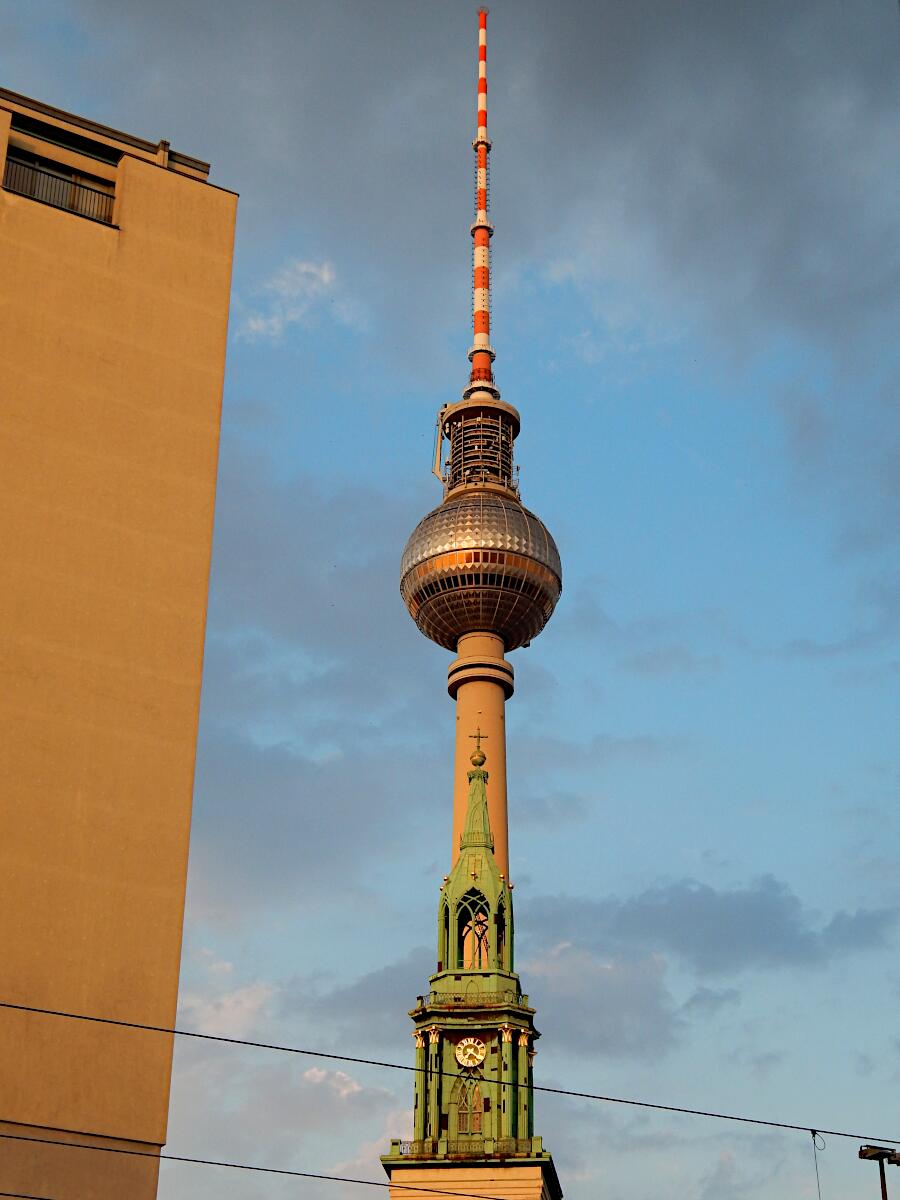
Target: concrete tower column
{"x":481,"y":681}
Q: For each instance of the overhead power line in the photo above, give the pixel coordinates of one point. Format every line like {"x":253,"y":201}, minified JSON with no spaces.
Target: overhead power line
{"x":25,"y":1196}
{"x":374,"y":1062}
{"x":233,"y":1166}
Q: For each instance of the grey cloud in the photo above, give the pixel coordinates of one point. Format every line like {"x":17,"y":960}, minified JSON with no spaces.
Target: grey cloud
{"x":741,"y":157}
{"x":880,"y":600}
{"x":713,"y":931}
{"x":668,"y":660}
{"x":296,"y":559}
{"x":550,"y":809}
{"x":864,"y":1064}
{"x":728,"y":1179}
{"x":865,"y":929}
{"x":650,"y":645}
{"x":616,"y":1006}
{"x":732,"y":165}
{"x":290,"y":1113}
{"x":595,"y":753}
{"x":368,"y":1011}
{"x":273,"y":826}
{"x":299,"y":766}
{"x":706,"y":1002}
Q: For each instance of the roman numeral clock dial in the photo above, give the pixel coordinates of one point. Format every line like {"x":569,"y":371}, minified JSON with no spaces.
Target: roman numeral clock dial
{"x":470,"y":1052}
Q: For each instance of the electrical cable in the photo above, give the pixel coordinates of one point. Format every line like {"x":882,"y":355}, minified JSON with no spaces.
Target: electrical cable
{"x":374,"y":1062}
{"x":25,"y":1196}
{"x":213,"y":1162}
{"x":815,"y":1135}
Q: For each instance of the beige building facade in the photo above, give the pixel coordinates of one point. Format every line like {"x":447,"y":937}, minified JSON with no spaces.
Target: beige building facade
{"x":115,"y":270}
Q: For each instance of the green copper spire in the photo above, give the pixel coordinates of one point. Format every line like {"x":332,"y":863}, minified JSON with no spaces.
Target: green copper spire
{"x":474,"y":1030}
{"x":477,"y":831}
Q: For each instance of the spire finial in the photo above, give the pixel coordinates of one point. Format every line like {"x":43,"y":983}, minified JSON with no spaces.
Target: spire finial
{"x":481,"y":354}
{"x":478,"y":757}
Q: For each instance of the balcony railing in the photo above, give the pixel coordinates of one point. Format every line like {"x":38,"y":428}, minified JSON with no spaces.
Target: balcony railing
{"x":471,"y":1147}
{"x":514,"y":1146}
{"x":468,"y":1147}
{"x":476,"y":999}
{"x":60,"y":190}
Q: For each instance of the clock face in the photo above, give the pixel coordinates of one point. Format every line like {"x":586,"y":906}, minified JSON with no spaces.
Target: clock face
{"x":470,"y":1052}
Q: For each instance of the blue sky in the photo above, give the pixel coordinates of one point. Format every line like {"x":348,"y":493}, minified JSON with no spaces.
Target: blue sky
{"x":697,"y":270}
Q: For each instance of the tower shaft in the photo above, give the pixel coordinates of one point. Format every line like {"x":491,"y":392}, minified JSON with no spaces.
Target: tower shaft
{"x":481,"y":680}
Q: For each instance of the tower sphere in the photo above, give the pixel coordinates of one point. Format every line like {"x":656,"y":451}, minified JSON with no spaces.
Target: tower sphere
{"x":481,"y":563}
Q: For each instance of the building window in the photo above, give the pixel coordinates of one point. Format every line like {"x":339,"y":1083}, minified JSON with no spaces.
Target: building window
{"x":58,"y":185}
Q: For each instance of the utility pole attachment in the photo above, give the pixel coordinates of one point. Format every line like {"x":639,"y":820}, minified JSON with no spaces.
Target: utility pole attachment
{"x":881,"y":1155}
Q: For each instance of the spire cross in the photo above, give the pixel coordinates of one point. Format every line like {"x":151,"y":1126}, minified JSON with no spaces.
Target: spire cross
{"x":477,"y":737}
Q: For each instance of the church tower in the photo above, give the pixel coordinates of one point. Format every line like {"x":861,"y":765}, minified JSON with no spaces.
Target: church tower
{"x":480,"y":576}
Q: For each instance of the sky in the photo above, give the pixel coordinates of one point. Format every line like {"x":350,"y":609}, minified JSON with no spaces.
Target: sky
{"x":696,"y":295}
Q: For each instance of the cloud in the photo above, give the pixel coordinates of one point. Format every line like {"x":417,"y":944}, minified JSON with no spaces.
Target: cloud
{"x":274,"y":827}
{"x":369,"y":1010}
{"x":253,"y":1108}
{"x":232,"y":1014}
{"x":662,"y":661}
{"x":727,"y":171}
{"x":762,"y":925}
{"x":736,"y":206}
{"x":706,"y":1002}
{"x":724,"y":1180}
{"x":293,"y":293}
{"x":655,"y":645}
{"x":308,"y":758}
{"x":880,"y":599}
{"x":619,"y":1007}
{"x":550,"y":809}
{"x":295,"y":557}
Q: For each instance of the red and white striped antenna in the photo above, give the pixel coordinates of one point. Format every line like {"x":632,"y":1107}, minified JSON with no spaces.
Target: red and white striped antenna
{"x":481,"y":355}
{"x":480,"y":427}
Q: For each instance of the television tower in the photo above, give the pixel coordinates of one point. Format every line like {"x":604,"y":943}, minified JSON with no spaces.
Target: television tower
{"x":481,"y":576}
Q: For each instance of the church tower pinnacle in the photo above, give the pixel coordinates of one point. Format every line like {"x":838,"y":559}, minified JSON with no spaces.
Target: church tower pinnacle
{"x":481,"y":576}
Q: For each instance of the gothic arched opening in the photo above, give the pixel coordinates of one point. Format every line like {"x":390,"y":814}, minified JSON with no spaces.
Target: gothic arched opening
{"x":473,"y":932}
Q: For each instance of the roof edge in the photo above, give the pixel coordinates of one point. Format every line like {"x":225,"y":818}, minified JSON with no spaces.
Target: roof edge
{"x":106,"y":131}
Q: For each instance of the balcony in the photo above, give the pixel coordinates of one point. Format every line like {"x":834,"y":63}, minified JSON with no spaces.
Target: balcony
{"x":473,"y":999}
{"x":59,"y":187}
{"x":474,"y":1147}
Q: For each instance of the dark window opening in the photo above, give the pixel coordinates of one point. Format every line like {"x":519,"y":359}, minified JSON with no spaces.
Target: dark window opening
{"x":64,"y":137}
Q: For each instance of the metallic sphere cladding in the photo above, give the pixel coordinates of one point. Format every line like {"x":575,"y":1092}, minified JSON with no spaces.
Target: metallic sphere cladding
{"x":481,"y":563}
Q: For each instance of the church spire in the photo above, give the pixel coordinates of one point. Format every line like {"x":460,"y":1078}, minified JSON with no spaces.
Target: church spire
{"x":477,"y":829}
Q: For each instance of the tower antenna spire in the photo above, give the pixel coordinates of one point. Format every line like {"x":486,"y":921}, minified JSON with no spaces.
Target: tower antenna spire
{"x":481,"y":354}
